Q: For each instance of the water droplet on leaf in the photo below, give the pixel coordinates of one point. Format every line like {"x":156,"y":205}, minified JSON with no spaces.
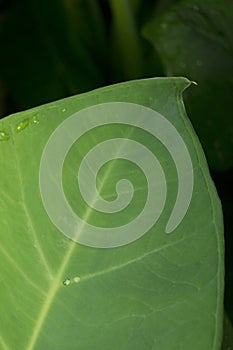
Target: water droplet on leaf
{"x":66,"y":282}
{"x":76,"y":279}
{"x":22,"y":125}
{"x":4,"y":136}
{"x":63,"y":110}
{"x":35,"y":119}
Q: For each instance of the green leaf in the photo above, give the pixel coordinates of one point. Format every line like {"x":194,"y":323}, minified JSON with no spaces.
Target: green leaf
{"x":195,"y":39}
{"x":161,"y":290}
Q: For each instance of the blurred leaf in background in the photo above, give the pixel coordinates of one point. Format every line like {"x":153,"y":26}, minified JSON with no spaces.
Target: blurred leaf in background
{"x":195,"y":39}
{"x":40,"y":58}
{"x":54,"y":49}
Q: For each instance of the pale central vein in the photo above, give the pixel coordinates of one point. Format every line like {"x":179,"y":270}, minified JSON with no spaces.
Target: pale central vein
{"x":56,"y":283}
{"x":3,"y":343}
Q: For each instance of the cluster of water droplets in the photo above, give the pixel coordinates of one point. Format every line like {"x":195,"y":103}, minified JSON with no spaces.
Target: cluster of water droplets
{"x":20,"y":126}
{"x":4,"y":136}
{"x":68,"y":280}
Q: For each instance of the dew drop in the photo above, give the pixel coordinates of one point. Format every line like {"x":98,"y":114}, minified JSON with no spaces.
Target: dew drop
{"x":4,"y":136}
{"x":63,"y":110}
{"x":34,"y":119}
{"x":22,"y":125}
{"x":76,"y":279}
{"x":66,"y":282}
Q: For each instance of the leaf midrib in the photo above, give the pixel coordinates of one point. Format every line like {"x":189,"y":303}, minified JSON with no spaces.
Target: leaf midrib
{"x":57,"y":283}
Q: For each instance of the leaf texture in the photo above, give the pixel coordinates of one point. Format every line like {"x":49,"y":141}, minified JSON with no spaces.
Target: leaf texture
{"x":161,"y":291}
